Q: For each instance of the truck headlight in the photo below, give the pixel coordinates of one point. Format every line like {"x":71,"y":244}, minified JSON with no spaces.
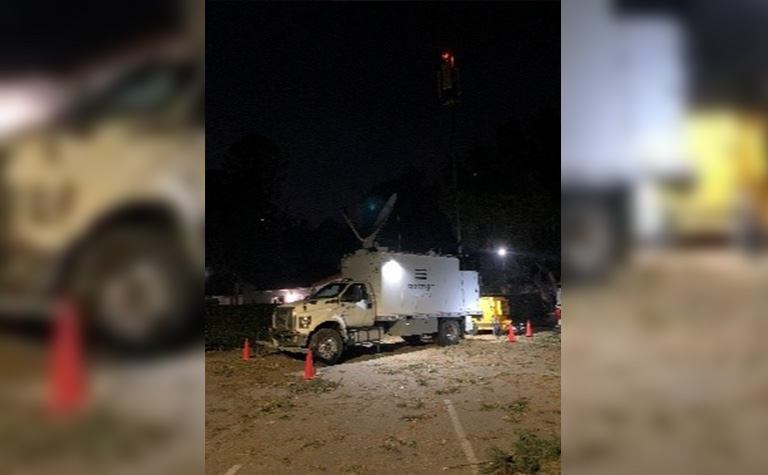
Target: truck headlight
{"x":305,"y":322}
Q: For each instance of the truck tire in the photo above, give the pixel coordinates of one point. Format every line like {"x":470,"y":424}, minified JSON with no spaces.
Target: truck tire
{"x":595,"y":234}
{"x":449,"y":332}
{"x":136,"y":289}
{"x":326,"y":346}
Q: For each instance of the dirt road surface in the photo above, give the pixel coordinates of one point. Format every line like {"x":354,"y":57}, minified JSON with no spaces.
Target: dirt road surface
{"x":666,"y":367}
{"x":140,"y":416}
{"x":381,"y":413}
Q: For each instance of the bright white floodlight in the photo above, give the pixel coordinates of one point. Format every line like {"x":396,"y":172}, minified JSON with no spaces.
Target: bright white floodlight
{"x":392,"y":271}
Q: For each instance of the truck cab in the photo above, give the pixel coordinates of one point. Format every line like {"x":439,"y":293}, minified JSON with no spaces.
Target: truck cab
{"x":339,"y":306}
{"x":346,"y":303}
{"x":105,"y":202}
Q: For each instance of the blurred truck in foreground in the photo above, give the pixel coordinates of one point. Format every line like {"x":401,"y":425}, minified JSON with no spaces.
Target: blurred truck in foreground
{"x":623,"y":106}
{"x":648,"y":154}
{"x":381,"y":293}
{"x":104,"y":200}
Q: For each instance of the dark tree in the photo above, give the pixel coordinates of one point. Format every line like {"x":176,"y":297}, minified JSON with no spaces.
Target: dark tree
{"x":243,"y":236}
{"x":416,"y":223}
{"x":506,"y":199}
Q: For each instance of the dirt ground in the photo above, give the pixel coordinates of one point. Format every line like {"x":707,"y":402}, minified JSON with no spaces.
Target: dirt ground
{"x":666,"y":367}
{"x":381,"y":413}
{"x":139,"y":416}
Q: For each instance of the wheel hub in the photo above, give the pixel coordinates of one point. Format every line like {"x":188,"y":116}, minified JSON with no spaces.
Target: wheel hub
{"x":135,"y":299}
{"x":451,"y":331}
{"x":327,"y":348}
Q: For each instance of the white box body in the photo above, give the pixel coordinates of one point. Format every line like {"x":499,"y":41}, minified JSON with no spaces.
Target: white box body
{"x":414,"y":284}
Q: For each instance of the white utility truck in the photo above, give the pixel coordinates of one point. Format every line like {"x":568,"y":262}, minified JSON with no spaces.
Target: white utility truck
{"x":623,"y":105}
{"x":381,"y":293}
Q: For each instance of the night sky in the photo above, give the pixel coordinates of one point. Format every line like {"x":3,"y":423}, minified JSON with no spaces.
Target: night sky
{"x":53,"y":37}
{"x":348,"y":91}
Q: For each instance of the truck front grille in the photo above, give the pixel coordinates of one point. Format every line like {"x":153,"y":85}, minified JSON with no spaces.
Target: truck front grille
{"x":283,"y":319}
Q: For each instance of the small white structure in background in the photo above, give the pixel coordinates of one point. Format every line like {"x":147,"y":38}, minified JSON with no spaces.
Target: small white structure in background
{"x":247,"y":294}
{"x":226,"y":299}
{"x":279,"y":296}
{"x":470,"y":297}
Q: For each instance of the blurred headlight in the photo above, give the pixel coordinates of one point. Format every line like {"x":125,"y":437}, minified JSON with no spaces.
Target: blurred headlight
{"x":305,"y":322}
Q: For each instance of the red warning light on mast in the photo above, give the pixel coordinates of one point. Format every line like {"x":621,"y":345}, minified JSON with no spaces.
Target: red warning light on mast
{"x":448,"y":79}
{"x":448,"y":58}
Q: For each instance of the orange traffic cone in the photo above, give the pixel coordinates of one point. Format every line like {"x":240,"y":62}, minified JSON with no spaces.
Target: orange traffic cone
{"x":68,"y":388}
{"x":528,"y":331}
{"x":246,"y":350}
{"x":511,"y":338}
{"x":309,"y":367}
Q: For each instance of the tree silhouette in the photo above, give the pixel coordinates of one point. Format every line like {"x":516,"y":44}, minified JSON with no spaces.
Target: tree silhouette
{"x":507,"y":198}
{"x":244,"y":233}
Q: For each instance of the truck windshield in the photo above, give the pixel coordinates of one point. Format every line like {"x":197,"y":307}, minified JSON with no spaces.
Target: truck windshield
{"x":146,"y":89}
{"x":328,"y":291}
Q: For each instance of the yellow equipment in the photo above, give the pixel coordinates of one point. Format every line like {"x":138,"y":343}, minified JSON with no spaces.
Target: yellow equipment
{"x":727,"y":149}
{"x":495,"y":310}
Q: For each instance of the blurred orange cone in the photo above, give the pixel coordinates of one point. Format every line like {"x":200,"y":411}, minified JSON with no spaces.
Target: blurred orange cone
{"x":309,"y":367}
{"x":67,"y":368}
{"x":246,"y":350}
{"x":511,"y":338}
{"x":528,"y":331}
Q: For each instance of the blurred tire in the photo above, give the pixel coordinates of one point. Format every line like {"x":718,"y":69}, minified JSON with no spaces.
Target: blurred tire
{"x":136,"y":288}
{"x":449,"y":332}
{"x":594,"y":235}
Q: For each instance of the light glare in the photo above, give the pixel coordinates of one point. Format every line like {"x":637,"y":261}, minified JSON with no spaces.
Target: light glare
{"x":392,"y":271}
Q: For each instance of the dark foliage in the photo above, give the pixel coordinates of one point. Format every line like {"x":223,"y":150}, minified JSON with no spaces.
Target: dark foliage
{"x":227,"y":326}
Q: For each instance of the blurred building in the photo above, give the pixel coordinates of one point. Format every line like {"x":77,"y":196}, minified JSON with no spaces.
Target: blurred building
{"x":246,"y":294}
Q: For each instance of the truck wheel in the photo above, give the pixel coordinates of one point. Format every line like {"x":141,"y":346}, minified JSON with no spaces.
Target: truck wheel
{"x":449,"y":332}
{"x":326,"y":346}
{"x":136,"y":288}
{"x":594,"y":235}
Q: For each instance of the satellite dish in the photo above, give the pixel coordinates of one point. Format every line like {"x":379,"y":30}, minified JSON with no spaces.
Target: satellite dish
{"x":369,"y":242}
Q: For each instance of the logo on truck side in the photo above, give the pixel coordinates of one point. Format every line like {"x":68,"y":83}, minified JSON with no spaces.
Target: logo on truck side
{"x":420,"y":274}
{"x":421,"y":286}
